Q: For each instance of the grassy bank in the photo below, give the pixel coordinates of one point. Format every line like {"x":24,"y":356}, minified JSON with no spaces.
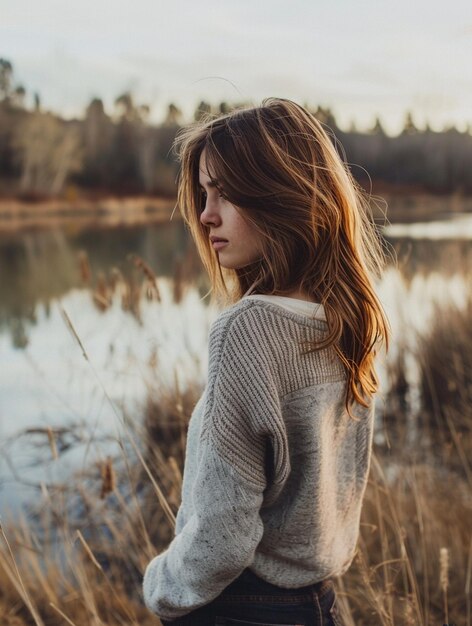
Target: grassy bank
{"x":414,"y":559}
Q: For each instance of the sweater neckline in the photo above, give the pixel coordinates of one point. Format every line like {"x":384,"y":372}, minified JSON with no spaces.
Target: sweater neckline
{"x":297,"y":305}
{"x":300,"y":318}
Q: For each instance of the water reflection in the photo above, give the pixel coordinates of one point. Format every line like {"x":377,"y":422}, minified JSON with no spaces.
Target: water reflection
{"x":49,"y":383}
{"x":45,"y":381}
{"x":39,"y":266}
{"x":457,"y":226}
{"x":423,"y":257}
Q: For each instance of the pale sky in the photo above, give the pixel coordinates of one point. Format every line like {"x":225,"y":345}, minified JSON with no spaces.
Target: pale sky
{"x":362,"y":58}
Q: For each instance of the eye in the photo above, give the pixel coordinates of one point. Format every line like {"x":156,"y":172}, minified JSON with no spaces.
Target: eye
{"x":204,"y":194}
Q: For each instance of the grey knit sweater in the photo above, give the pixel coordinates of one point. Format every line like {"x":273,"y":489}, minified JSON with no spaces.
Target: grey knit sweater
{"x":275,"y":469}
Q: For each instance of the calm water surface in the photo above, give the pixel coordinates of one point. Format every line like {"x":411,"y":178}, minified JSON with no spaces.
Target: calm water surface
{"x":46,"y":381}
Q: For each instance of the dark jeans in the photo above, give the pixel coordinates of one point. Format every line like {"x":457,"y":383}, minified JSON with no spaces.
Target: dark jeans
{"x":251,"y":601}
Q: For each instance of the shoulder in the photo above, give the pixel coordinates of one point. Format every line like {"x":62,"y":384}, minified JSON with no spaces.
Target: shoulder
{"x":241,"y":337}
{"x":255,"y":336}
{"x":242,"y":318}
{"x":246,"y":326}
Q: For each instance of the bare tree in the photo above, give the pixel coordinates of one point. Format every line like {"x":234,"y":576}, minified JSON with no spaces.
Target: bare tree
{"x":48,"y":151}
{"x":173,"y":116}
{"x":203,"y":109}
{"x":6,"y":76}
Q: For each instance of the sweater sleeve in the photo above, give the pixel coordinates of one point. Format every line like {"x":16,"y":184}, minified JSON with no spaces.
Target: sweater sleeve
{"x":220,"y":537}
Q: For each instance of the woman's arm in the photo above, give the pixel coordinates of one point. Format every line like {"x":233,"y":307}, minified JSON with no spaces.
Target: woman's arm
{"x":219,"y":539}
{"x":214,"y":546}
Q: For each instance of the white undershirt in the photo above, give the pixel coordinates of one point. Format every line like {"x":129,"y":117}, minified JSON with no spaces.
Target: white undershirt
{"x":311,"y":309}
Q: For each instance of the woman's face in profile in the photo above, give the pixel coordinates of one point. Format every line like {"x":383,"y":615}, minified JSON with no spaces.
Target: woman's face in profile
{"x":241,"y":243}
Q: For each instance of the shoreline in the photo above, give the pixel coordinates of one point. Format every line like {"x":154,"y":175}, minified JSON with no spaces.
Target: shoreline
{"x":19,"y":215}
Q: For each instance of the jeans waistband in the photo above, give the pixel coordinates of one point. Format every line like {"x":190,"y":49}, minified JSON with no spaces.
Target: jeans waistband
{"x":248,"y":583}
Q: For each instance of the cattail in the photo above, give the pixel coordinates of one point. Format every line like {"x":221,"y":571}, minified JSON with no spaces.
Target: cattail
{"x":115,"y":278}
{"x":151,"y":291}
{"x":100,"y":295}
{"x":108,"y":478}
{"x":135,"y":300}
{"x":84,"y":266}
{"x":52,"y":443}
{"x":444,"y":577}
{"x":153,"y":358}
{"x":125,"y":297}
{"x":178,"y":282}
{"x":150,"y":275}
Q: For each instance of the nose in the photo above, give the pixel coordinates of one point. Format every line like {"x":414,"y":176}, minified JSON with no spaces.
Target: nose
{"x":209,"y":215}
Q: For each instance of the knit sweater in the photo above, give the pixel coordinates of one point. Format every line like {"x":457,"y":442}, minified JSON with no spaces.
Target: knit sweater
{"x":275,"y":469}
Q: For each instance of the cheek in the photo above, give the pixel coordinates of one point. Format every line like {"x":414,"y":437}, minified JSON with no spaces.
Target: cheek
{"x":241,"y":227}
{"x":255,"y":241}
{"x":245,"y":232}
{"x":252,"y":242}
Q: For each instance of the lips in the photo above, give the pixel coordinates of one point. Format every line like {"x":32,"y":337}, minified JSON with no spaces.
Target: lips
{"x":214,"y":239}
{"x":218,"y":243}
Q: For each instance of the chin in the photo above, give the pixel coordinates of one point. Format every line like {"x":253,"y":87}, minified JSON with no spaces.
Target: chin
{"x":235,"y":265}
{"x":230,"y":266}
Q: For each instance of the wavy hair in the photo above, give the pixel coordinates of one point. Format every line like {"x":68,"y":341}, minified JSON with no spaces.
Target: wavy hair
{"x":279,"y":168}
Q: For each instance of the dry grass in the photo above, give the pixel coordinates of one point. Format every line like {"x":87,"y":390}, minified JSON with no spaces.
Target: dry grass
{"x":413,"y":565}
{"x":446,"y":388}
{"x":406,"y":522}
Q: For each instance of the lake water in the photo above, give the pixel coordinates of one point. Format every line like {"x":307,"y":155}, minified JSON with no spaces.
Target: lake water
{"x":45,"y":380}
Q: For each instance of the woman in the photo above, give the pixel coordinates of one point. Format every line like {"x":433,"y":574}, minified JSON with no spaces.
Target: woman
{"x":279,"y":443}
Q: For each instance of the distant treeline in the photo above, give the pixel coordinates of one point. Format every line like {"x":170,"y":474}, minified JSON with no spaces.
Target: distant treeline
{"x":42,"y":154}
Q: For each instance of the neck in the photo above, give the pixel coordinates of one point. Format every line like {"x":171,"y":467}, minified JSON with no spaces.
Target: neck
{"x":298,"y":295}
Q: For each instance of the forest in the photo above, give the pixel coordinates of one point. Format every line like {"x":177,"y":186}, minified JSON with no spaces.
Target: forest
{"x":120,"y":152}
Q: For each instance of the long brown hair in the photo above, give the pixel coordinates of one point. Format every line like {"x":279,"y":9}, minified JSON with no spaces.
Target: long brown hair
{"x":280,"y":169}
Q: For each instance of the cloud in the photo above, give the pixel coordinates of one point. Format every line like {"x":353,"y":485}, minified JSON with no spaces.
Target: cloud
{"x":339,"y":54}
{"x":377,"y":75}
